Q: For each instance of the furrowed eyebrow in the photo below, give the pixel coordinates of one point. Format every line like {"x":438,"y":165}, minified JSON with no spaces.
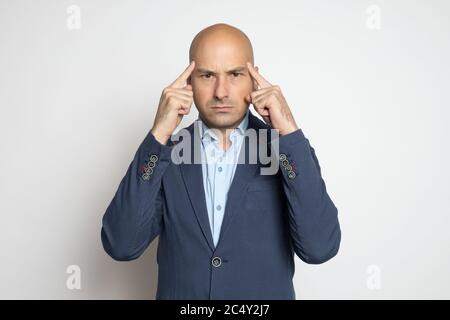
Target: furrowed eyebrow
{"x":237,"y":69}
{"x":201,"y":70}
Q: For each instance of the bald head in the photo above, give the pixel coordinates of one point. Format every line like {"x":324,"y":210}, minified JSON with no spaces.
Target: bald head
{"x":220,"y":76}
{"x":221,"y":37}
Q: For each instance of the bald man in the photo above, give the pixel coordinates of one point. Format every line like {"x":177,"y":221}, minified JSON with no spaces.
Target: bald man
{"x":226,"y":230}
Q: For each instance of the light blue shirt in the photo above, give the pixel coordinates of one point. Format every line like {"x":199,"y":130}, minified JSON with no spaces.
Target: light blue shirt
{"x":218,"y":167}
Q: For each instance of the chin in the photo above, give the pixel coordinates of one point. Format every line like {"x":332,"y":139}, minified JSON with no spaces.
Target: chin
{"x":223,"y":120}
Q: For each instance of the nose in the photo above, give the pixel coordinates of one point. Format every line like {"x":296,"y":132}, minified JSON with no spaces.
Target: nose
{"x":221,"y":89}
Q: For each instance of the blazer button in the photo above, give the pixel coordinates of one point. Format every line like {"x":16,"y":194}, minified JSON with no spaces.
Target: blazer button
{"x":216,"y":262}
{"x":282,"y":157}
{"x":148,"y":170}
{"x":291,"y":174}
{"x":153,"y":158}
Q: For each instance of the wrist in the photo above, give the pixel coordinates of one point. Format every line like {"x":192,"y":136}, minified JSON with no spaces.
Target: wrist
{"x":161,"y":138}
{"x":289,"y":130}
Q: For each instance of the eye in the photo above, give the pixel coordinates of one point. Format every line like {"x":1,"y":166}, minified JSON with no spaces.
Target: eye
{"x":206,"y":75}
{"x":236,"y":74}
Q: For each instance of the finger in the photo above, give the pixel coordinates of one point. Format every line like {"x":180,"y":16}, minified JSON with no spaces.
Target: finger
{"x":260,"y":101}
{"x":181,"y":80}
{"x":177,"y":100}
{"x":175,"y":103}
{"x":261,"y":92}
{"x":261,"y":110}
{"x":267,"y":120}
{"x":263,"y":83}
{"x":182,"y":92}
{"x":261,"y":107}
{"x":184,"y":109}
{"x":180,"y":101}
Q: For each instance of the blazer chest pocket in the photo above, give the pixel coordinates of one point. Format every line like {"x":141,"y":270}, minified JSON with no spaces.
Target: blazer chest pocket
{"x":264,"y":183}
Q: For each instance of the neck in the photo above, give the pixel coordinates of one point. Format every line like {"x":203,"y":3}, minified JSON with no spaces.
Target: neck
{"x":224,"y":136}
{"x":223,"y":133}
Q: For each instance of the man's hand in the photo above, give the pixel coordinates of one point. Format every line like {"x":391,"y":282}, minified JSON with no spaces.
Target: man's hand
{"x":269,"y":102}
{"x":175,"y":102}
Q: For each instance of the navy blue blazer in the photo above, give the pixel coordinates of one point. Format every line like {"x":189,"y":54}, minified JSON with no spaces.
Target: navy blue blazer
{"x":267,"y":219}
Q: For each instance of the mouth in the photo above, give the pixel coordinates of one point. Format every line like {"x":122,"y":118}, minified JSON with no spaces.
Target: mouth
{"x":222,"y":108}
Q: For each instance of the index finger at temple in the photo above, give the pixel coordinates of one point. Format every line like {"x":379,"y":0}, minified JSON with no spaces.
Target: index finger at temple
{"x":263,"y":83}
{"x":181,"y":80}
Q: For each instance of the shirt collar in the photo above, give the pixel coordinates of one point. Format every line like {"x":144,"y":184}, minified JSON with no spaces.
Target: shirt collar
{"x":209,"y":134}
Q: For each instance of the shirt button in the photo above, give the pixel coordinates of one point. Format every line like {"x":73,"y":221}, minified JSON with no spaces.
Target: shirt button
{"x":220,"y":169}
{"x":219,"y":207}
{"x":216,"y":262}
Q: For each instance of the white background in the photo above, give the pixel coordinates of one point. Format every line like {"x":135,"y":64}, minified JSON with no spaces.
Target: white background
{"x":374,"y":103}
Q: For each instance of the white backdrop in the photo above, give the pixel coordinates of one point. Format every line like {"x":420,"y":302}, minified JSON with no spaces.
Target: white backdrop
{"x":368,"y":82}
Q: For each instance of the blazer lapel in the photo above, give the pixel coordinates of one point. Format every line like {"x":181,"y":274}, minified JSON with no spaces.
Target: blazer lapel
{"x":193,"y":179}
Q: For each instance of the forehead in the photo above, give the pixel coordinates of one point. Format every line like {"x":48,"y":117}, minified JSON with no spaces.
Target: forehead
{"x":217,"y":55}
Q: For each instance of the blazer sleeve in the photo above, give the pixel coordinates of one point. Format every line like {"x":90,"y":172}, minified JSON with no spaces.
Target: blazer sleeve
{"x":134,"y":216}
{"x":312,"y":215}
